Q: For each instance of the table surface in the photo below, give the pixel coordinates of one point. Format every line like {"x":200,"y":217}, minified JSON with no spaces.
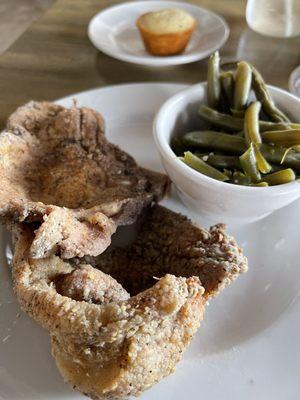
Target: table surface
{"x":55,"y":58}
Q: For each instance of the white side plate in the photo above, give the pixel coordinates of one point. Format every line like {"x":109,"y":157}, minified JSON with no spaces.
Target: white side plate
{"x":114,"y":32}
{"x":248,"y":345}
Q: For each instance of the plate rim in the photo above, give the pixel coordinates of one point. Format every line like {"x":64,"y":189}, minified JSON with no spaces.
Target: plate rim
{"x":155,"y":61}
{"x":123,"y":85}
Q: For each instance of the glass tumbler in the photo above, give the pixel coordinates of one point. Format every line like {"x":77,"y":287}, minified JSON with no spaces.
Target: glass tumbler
{"x":279,"y":18}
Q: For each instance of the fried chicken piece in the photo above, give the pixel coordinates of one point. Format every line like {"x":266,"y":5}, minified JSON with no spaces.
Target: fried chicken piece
{"x":56,"y":164}
{"x":112,"y":346}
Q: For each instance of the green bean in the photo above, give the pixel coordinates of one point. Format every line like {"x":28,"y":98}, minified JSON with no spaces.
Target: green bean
{"x":225,"y":121}
{"x":229,"y":66}
{"x":177,"y":146}
{"x":221,"y":120}
{"x":220,"y":161}
{"x":217,"y":141}
{"x":227,"y":82}
{"x":239,"y":178}
{"x":285,"y":138}
{"x":287,"y":150}
{"x":249,"y":165}
{"x":199,"y":165}
{"x":260,"y":184}
{"x":275,"y":167}
{"x":228,"y":173}
{"x":242,"y":86}
{"x":213,"y":82}
{"x":262,"y":93}
{"x":262,"y":164}
{"x":265,"y":98}
{"x":237,"y":113}
{"x":280,"y":177}
{"x":251,"y":125}
{"x":275,"y":154}
{"x":252,"y":135}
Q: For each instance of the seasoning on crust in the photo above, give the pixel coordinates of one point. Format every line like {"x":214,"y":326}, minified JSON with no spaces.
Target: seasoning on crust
{"x":106,"y":343}
{"x":168,"y":243}
{"x":58,"y":169}
{"x":166,"y":32}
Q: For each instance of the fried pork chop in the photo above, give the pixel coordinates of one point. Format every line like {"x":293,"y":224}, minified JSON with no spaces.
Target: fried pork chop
{"x":58,"y":169}
{"x":120,"y":325}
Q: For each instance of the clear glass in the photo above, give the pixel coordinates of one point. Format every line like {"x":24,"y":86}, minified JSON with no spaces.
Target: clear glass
{"x":279,"y":18}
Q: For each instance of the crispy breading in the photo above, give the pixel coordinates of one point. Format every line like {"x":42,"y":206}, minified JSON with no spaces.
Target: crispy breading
{"x":170,"y":243}
{"x":57,"y":165}
{"x":107,"y":344}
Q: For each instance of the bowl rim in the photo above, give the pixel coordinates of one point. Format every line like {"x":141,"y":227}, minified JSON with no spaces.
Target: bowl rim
{"x":292,"y":81}
{"x":167,"y":153}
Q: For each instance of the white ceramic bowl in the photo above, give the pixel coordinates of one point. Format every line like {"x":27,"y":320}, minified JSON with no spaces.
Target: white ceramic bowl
{"x":219,"y":200}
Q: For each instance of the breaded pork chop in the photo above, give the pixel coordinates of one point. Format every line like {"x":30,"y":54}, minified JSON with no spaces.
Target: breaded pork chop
{"x":116,"y":331}
{"x":57,"y":168}
{"x":168,"y":243}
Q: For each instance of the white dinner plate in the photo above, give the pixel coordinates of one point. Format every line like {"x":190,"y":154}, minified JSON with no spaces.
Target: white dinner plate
{"x":294,"y":82}
{"x":248,"y":344}
{"x":114,"y":32}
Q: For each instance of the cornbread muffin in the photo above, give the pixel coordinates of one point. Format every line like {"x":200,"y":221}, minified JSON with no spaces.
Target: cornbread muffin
{"x":166,"y":32}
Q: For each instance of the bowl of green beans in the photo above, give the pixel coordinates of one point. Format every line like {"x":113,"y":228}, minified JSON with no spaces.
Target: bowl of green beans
{"x":231,"y":145}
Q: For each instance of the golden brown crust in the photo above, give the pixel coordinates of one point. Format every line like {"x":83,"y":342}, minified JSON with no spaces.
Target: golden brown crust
{"x":165,"y":44}
{"x":112,"y":346}
{"x":89,"y":284}
{"x":58,"y":168}
{"x":107,"y":350}
{"x":169,"y":243}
